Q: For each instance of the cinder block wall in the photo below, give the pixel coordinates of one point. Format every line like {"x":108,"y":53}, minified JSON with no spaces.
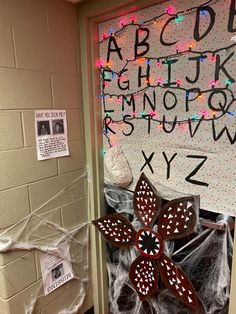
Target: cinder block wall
{"x":38,"y":70}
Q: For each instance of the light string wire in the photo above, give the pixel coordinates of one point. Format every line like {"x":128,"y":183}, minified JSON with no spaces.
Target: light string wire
{"x":154,"y":19}
{"x":167,"y":59}
{"x":167,"y":86}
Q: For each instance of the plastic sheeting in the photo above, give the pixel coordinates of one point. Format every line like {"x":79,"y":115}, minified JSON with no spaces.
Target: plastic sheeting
{"x":37,"y":232}
{"x":206,"y":259}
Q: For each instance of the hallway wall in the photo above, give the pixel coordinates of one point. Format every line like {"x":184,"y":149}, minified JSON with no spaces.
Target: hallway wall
{"x":38,"y":70}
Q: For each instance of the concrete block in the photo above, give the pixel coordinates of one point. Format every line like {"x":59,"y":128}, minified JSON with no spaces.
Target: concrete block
{"x":80,"y":244}
{"x":18,"y":167}
{"x":66,"y":91}
{"x":12,"y":280}
{"x":10,"y":256}
{"x":43,"y":52}
{"x":21,"y":301}
{"x":10,"y":137}
{"x":66,"y":301}
{"x":42,"y":300}
{"x":75,"y":124}
{"x":14,"y":206}
{"x":53,"y":216}
{"x":7,"y":57}
{"x":41,"y":192}
{"x":76,"y":160}
{"x":24,"y":13}
{"x":29,"y":128}
{"x":24,"y":89}
{"x":62,"y":19}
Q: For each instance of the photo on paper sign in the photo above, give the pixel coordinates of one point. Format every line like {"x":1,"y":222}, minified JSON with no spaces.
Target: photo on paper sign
{"x":58,"y":126}
{"x":43,"y":128}
{"x":57,"y":272}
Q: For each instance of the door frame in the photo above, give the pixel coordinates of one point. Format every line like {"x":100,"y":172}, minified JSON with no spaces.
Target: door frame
{"x":90,"y":14}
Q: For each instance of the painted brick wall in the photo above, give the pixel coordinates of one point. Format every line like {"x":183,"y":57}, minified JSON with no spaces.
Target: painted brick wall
{"x":38,"y":70}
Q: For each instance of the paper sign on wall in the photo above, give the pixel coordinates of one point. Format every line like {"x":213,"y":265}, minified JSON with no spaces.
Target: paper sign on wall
{"x":51,"y":134}
{"x":56,"y":271}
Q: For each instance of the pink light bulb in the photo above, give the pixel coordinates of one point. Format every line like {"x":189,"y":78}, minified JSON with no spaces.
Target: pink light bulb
{"x":178,"y":82}
{"x":203,"y":113}
{"x":170,"y":10}
{"x":213,"y":83}
{"x":100,"y":63}
{"x":133,"y":18}
{"x":213,"y":58}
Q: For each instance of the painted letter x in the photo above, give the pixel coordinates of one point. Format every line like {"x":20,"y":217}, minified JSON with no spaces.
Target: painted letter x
{"x":147,"y":161}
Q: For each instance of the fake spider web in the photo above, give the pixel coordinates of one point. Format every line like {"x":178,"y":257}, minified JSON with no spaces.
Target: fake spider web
{"x":206,"y":259}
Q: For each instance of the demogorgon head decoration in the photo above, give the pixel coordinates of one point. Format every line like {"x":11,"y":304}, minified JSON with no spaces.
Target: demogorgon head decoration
{"x":176,"y":219}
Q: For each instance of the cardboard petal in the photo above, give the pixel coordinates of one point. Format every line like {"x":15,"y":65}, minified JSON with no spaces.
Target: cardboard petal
{"x":144,"y":276}
{"x":116,"y":229}
{"x":178,"y":218}
{"x":177,"y":282}
{"x":146,"y":202}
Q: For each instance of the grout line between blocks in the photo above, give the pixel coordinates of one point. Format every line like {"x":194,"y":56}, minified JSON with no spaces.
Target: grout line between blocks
{"x":14,"y":47}
{"x":23,"y":129}
{"x":52,"y":92}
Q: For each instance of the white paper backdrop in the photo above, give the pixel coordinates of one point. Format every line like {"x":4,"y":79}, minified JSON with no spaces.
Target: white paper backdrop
{"x":212,"y":147}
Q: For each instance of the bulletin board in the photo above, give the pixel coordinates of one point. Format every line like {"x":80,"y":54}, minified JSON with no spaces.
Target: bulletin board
{"x":168,"y":96}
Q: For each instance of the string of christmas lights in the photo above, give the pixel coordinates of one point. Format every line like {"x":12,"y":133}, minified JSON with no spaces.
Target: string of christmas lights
{"x":106,"y":69}
{"x":168,"y":12}
{"x":165,"y":85}
{"x":105,"y":66}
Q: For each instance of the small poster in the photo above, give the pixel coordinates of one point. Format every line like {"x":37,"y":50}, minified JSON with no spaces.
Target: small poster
{"x":56,"y":270}
{"x":51,"y":134}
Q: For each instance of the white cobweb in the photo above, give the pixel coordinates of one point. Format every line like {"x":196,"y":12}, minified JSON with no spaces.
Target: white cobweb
{"x":206,"y":259}
{"x":38,"y":231}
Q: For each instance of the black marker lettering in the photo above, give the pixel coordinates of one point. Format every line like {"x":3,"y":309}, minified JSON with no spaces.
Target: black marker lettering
{"x":173,"y":125}
{"x":165,"y":102}
{"x":122,"y":87}
{"x":146,"y":75}
{"x":220,"y":107}
{"x":212,"y":14}
{"x":147,"y":161}
{"x":169,"y":64}
{"x":116,"y":49}
{"x":216,"y":137}
{"x":107,"y":122}
{"x":188,"y":99}
{"x":168,"y":163}
{"x":198,"y":63}
{"x":142,"y":43}
{"x":232,"y":13}
{"x":195,"y":171}
{"x":127,"y":116}
{"x":152,"y":104}
{"x":221,"y":67}
{"x":130,"y":102}
{"x":162,"y":41}
{"x":191,"y":131}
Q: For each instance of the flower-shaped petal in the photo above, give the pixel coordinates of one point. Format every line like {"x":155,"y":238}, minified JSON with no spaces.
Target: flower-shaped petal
{"x":177,"y":218}
{"x":116,"y":229}
{"x":177,"y":282}
{"x":144,"y":276}
{"x":146,"y":202}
